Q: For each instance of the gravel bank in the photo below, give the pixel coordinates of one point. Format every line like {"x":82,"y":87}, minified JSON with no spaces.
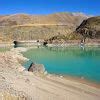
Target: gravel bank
{"x":18,"y":84}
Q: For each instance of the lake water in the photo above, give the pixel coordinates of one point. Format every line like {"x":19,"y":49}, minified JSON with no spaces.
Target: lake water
{"x":71,"y":61}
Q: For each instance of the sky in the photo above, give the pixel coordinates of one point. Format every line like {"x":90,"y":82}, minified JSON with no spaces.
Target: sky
{"x":89,"y":7}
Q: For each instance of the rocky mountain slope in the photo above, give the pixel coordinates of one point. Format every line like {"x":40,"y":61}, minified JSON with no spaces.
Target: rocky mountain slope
{"x":28,"y":27}
{"x":90,"y":28}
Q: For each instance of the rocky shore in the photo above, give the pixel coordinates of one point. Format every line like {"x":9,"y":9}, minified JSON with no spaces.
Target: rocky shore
{"x":18,"y":84}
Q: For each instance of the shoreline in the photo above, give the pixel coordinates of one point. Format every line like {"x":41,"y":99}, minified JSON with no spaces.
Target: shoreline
{"x":65,"y":44}
{"x":73,"y":78}
{"x":41,"y":86}
{"x":80,"y":80}
{"x":76,"y":79}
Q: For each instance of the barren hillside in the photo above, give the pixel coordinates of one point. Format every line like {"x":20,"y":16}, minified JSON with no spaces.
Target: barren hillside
{"x":28,"y":27}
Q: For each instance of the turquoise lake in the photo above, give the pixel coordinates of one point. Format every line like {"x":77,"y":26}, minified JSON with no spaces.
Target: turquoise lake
{"x":71,"y":61}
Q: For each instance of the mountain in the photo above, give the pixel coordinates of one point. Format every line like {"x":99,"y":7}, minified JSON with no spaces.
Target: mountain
{"x":69,"y":19}
{"x":28,"y":27}
{"x":90,"y":28}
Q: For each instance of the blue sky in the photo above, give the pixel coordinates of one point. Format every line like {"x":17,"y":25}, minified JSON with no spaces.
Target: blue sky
{"x":90,"y":7}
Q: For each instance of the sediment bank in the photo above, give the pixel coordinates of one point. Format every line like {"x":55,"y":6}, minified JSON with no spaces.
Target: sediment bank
{"x":16,"y":81}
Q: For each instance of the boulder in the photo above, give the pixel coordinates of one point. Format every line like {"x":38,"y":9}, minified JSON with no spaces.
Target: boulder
{"x":36,"y":68}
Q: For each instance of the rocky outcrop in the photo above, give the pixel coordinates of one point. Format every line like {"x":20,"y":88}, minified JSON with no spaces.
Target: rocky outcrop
{"x":90,"y":28}
{"x":36,"y":68}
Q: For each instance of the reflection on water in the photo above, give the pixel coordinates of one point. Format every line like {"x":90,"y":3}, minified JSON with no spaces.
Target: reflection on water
{"x":77,"y":51}
{"x":74,"y":61}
